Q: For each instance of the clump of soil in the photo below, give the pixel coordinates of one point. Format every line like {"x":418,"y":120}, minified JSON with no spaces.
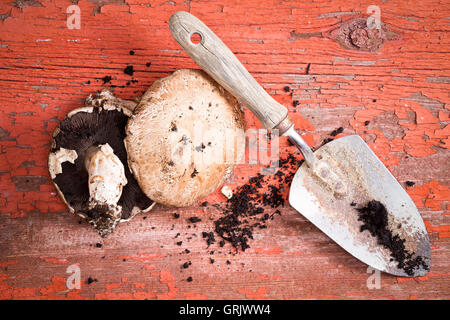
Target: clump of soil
{"x":375,"y":220}
{"x":335,"y":132}
{"x":106,"y":79}
{"x":91,"y":280}
{"x":209,"y":236}
{"x":248,"y":207}
{"x":129,"y":70}
{"x":194,"y":219}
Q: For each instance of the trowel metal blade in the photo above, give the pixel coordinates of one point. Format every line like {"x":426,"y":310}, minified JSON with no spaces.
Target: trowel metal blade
{"x":366,"y":179}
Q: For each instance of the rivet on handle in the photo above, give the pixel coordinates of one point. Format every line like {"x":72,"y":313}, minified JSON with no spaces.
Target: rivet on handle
{"x":196,"y":38}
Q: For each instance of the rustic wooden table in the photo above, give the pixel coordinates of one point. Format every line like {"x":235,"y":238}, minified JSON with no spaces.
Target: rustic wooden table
{"x":392,"y":90}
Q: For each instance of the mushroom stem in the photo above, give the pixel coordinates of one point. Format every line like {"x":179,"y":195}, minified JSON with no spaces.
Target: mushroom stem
{"x":106,"y":179}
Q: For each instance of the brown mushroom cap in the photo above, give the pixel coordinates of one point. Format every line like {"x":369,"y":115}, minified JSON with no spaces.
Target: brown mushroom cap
{"x":185,"y":137}
{"x":101,"y":121}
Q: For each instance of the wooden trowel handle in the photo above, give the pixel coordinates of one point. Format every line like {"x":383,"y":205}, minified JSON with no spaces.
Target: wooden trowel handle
{"x":214,"y":57}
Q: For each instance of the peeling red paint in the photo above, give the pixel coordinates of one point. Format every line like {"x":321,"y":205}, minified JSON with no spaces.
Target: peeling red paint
{"x":144,"y":295}
{"x":167,"y":277}
{"x":425,"y":278}
{"x":270,"y":250}
{"x":354,"y":34}
{"x":139,"y":285}
{"x":265,"y":277}
{"x":192,"y":295}
{"x":56,"y":290}
{"x":396,"y":98}
{"x":8,"y":263}
{"x":255,"y":294}
{"x":432,"y":195}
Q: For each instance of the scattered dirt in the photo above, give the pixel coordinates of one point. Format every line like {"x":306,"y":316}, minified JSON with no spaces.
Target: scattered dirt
{"x":247,"y":209}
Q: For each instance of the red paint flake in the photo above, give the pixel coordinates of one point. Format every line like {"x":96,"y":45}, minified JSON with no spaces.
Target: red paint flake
{"x":140,"y":285}
{"x":8,"y":263}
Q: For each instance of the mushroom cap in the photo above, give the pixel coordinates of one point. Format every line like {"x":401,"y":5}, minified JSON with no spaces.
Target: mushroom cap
{"x":185,"y":137}
{"x":101,"y":121}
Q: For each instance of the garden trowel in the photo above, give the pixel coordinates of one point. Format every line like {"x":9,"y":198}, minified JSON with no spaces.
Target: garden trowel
{"x":342,"y":187}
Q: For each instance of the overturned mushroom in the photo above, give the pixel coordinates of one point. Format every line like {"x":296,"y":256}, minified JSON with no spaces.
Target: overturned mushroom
{"x":86,"y":164}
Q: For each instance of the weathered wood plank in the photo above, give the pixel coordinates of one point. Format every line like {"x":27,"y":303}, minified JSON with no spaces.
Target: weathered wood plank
{"x":396,"y":98}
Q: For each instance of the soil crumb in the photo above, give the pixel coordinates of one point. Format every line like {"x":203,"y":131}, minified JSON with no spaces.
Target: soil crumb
{"x":375,"y":220}
{"x":331,"y":136}
{"x":91,"y":280}
{"x":129,"y":70}
{"x":106,"y":79}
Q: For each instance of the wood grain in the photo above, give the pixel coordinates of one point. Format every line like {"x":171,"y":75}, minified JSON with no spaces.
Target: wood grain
{"x":396,"y":98}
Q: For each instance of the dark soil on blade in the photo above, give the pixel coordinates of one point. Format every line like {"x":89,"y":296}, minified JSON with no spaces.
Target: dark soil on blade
{"x":375,"y":220}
